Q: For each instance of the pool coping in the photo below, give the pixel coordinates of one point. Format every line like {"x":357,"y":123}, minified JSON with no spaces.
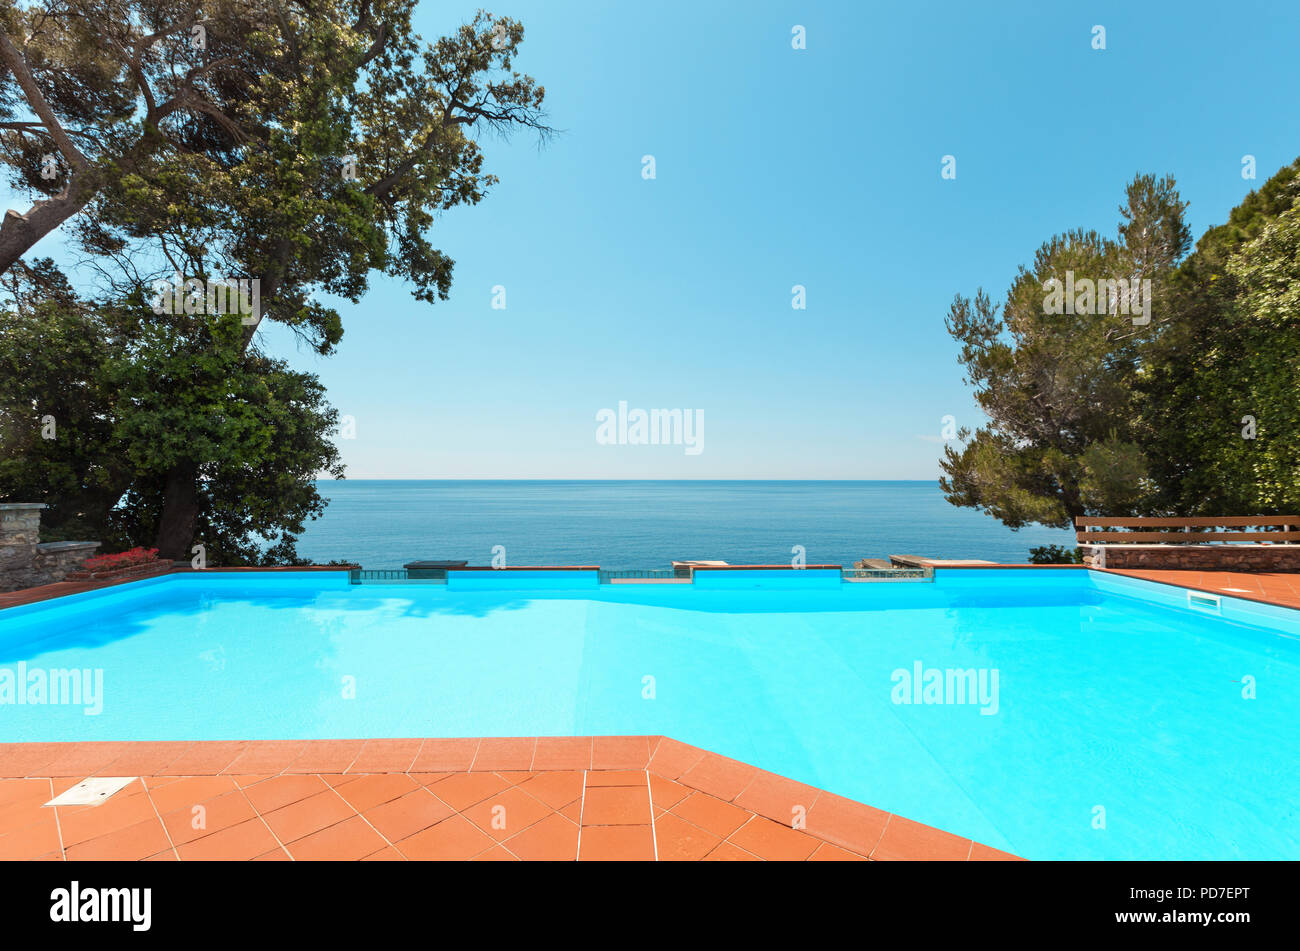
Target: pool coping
{"x":59,"y":589}
{"x":1171,"y":577}
{"x":685,"y":802}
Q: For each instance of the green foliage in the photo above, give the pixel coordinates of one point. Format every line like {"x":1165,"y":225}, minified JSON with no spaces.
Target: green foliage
{"x":304,"y":146}
{"x":307,"y":147}
{"x":1058,"y":389}
{"x":56,"y":444}
{"x":1234,"y":352}
{"x":129,"y":396}
{"x":1055,"y":555}
{"x":1104,"y":415}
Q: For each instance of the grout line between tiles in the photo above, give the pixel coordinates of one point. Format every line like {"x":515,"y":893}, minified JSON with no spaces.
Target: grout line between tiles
{"x":357,"y":812}
{"x":581,"y":809}
{"x":654,"y":833}
{"x":58,"y":826}
{"x":258,"y":812}
{"x":414,"y":759}
{"x":882,"y":835}
{"x":167,"y":832}
{"x":474,"y":759}
{"x":344,"y":771}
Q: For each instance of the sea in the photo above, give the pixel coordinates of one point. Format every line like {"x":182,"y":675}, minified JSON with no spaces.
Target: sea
{"x":622,"y":525}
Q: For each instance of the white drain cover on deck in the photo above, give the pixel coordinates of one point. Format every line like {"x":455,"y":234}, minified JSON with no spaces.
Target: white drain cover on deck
{"x":92,"y":791}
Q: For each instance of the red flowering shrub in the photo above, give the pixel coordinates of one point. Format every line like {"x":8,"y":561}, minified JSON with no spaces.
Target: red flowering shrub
{"x":124,"y":559}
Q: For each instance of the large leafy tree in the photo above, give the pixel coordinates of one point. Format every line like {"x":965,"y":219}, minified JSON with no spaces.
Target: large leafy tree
{"x":347,"y":152}
{"x":304,"y":146}
{"x":1060,"y":389}
{"x":56,"y":439}
{"x":1227,"y":367}
{"x":118,"y":394}
{"x":93,"y":90}
{"x":1195,"y":413}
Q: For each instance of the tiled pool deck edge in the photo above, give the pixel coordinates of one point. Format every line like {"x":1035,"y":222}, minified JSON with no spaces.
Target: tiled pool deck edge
{"x":59,"y":589}
{"x":545,"y":798}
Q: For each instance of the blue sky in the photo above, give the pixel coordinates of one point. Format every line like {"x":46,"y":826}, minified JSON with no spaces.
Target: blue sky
{"x":778,"y":167}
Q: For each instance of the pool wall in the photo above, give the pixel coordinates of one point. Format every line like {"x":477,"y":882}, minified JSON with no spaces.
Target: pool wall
{"x":1061,"y":580}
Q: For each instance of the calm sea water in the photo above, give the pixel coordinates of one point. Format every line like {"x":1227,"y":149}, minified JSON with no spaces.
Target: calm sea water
{"x":621,"y":525}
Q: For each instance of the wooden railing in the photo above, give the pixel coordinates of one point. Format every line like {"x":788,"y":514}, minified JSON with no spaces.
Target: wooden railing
{"x":1187,"y":531}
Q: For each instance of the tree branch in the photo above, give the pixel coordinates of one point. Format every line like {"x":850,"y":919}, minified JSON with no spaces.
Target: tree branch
{"x":17,"y":64}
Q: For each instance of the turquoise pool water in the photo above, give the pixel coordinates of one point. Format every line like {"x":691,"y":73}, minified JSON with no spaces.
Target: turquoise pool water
{"x":1114,"y":719}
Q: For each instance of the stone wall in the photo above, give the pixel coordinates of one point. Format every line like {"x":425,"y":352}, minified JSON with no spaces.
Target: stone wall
{"x":1200,"y":557}
{"x":24,"y":561}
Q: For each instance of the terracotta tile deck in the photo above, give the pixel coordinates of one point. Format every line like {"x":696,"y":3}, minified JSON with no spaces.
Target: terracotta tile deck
{"x":638,"y":798}
{"x":1270,"y":587}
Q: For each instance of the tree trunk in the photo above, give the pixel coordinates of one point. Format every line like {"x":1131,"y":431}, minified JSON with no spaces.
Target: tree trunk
{"x":19,"y":232}
{"x":180,"y":512}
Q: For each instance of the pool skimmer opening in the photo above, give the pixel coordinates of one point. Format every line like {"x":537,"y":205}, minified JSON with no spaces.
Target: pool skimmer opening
{"x":92,"y":791}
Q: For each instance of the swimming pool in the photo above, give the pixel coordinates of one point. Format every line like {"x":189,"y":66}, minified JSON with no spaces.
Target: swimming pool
{"x":1050,"y":713}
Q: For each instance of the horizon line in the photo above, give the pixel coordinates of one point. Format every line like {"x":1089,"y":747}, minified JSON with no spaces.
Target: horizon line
{"x":586,"y":479}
